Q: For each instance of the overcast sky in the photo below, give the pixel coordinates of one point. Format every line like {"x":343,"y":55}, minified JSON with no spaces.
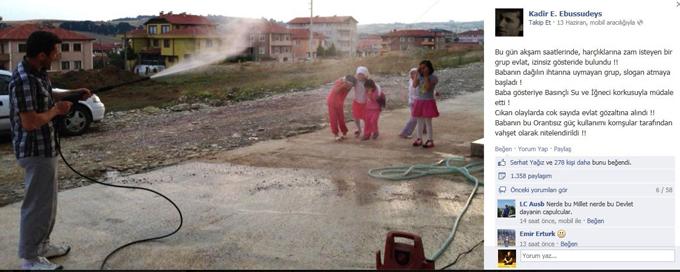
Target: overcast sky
{"x":365,"y":11}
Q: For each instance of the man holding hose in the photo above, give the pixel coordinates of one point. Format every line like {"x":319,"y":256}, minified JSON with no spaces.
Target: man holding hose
{"x":32,"y":111}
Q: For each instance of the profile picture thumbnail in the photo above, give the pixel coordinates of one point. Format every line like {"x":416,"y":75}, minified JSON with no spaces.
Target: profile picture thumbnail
{"x":509,"y":22}
{"x":506,"y":238}
{"x":507,"y":258}
{"x":506,"y":208}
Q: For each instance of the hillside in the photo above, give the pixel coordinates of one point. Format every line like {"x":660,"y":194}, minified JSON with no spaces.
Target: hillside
{"x":450,"y":25}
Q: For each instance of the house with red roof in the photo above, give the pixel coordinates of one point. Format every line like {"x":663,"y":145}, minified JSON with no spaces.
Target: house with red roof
{"x":408,"y":39}
{"x":170,"y":38}
{"x":301,"y":43}
{"x":472,"y":36}
{"x":340,"y":31}
{"x":370,"y":45}
{"x":76,"y":48}
{"x":269,"y":40}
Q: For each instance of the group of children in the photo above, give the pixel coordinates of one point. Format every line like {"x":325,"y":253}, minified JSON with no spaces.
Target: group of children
{"x":369,"y":100}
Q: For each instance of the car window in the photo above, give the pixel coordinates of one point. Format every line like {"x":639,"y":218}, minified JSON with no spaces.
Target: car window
{"x":4,"y":81}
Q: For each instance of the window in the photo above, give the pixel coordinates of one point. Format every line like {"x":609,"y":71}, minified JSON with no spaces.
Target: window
{"x":77,"y":65}
{"x":208,"y":43}
{"x":152,"y":30}
{"x":65,"y":47}
{"x":65,"y":65}
{"x":22,"y":48}
{"x":165,"y":29}
{"x":4,"y":81}
{"x":187,"y":56}
{"x":276,"y":50}
{"x":166,"y":43}
{"x":76,"y":47}
{"x":154,"y":43}
{"x":262,"y":37}
{"x":261,"y":50}
{"x":402,"y":39}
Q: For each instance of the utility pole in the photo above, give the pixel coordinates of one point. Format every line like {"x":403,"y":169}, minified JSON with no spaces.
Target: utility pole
{"x":125,"y":49}
{"x":311,"y":33}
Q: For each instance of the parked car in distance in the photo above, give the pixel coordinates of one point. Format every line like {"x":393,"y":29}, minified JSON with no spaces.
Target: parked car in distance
{"x":148,"y":70}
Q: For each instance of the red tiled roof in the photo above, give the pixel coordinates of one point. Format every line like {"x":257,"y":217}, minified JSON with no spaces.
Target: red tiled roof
{"x":188,"y":31}
{"x":303,"y":34}
{"x":183,"y":19}
{"x":410,"y":33}
{"x":137,"y":33}
{"x":21,"y":32}
{"x":105,"y":46}
{"x":472,"y":33}
{"x":191,"y":31}
{"x":272,"y":27}
{"x":322,"y":20}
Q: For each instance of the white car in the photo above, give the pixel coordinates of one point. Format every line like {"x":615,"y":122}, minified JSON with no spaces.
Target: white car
{"x":76,"y":123}
{"x":147,"y":70}
{"x":4,"y":101}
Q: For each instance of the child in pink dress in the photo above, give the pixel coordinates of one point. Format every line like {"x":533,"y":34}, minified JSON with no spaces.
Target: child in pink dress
{"x":372,"y":110}
{"x":336,"y":101}
{"x":425,"y":106}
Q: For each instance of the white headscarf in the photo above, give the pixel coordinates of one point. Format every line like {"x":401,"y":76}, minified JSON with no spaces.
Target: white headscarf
{"x":362,"y":70}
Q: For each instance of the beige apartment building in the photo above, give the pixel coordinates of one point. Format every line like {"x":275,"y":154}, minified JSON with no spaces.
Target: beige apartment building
{"x":340,"y":31}
{"x":76,"y":48}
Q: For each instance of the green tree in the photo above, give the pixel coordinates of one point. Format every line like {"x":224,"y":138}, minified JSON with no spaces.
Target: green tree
{"x":320,"y":51}
{"x":131,"y":55}
{"x":332,"y":52}
{"x":116,"y":59}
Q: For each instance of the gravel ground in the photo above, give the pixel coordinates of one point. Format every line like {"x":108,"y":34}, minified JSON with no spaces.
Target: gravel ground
{"x":137,"y":141}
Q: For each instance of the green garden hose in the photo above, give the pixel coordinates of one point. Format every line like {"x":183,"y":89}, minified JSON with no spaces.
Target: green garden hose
{"x":444,"y":167}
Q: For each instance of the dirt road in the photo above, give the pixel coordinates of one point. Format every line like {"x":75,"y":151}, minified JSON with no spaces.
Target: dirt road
{"x":303,"y":202}
{"x":141,"y":140}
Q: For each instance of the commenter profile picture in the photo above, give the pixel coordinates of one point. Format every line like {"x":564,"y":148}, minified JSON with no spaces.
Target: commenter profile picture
{"x":509,"y":22}
{"x":507,"y":258}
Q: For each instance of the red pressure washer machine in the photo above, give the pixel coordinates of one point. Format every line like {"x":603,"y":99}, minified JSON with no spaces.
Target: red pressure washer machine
{"x":402,"y":255}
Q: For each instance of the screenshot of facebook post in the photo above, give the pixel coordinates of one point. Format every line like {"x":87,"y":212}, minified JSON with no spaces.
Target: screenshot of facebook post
{"x":581,"y":128}
{"x":251,"y":135}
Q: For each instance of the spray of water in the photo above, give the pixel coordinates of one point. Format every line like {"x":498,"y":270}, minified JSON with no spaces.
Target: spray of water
{"x":234,"y":37}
